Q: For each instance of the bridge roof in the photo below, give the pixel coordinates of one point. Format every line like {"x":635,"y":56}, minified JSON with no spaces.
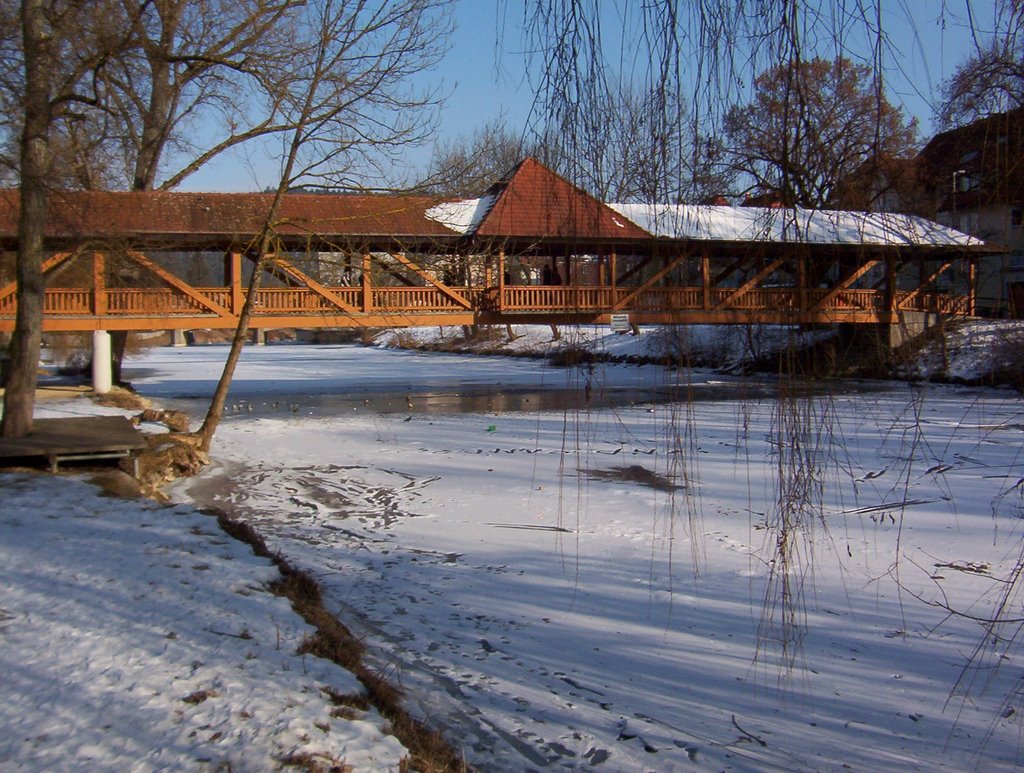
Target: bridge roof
{"x":532,"y":206}
{"x":766,"y":225}
{"x":535,"y":203}
{"x":220,"y":218}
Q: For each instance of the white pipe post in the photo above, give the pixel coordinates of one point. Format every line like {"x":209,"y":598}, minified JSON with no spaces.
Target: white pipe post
{"x":102,"y":370}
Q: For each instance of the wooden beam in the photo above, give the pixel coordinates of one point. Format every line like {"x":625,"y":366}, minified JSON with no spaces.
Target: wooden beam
{"x":501,"y":277}
{"x":445,"y":290}
{"x":729,"y":270}
{"x":931,"y":278}
{"x":852,"y":277}
{"x":183,"y":287}
{"x":749,"y":284}
{"x":668,"y":267}
{"x":635,"y":270}
{"x":11,"y":287}
{"x":234,"y":277}
{"x":324,"y":292}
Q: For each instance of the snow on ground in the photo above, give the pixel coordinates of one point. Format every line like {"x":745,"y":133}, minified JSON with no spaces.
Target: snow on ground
{"x":597,"y":588}
{"x":140,"y":637}
{"x":729,"y":346}
{"x":972,"y":349}
{"x":544,"y":586}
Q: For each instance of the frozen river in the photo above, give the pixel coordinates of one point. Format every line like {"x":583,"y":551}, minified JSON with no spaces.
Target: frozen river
{"x":644,"y":583}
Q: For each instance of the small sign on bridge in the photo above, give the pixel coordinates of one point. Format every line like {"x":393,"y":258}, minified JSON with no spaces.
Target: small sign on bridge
{"x":619,"y":323}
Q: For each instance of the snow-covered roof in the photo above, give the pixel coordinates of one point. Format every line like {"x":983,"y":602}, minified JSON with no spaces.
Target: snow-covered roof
{"x":463,"y":215}
{"x":804,"y":226}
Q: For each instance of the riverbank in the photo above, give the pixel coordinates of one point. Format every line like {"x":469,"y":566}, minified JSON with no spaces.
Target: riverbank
{"x":975,"y":352}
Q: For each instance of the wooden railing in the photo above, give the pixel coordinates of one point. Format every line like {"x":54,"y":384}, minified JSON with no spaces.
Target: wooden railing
{"x":302,"y":301}
{"x":140,"y":301}
{"x":416,"y":299}
{"x":65,"y":302}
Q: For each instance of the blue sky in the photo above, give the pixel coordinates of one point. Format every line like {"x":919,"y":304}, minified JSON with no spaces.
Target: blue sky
{"x":484,"y":74}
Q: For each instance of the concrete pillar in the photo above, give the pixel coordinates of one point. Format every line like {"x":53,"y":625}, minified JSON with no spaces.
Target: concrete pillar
{"x":102,"y":371}
{"x":260,"y":336}
{"x":178,"y":338}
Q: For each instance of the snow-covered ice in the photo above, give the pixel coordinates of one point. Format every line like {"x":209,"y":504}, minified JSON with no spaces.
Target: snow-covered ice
{"x":620,"y":589}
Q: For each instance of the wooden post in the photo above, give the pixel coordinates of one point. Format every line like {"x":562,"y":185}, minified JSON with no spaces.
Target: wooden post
{"x":801,"y":282}
{"x":891,"y":302}
{"x":705,"y":281}
{"x":99,"y":285}
{"x":501,"y":278}
{"x":233,"y":277}
{"x":366,"y":283}
{"x":972,"y":267}
{"x":613,"y":277}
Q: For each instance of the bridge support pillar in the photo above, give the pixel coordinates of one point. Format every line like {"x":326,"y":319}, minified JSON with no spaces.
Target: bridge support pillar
{"x":102,"y":370}
{"x":178,"y":338}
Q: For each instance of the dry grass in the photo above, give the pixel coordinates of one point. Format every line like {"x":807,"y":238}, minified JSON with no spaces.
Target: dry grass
{"x":430,"y":753}
{"x":125,"y":399}
{"x":168,"y":458}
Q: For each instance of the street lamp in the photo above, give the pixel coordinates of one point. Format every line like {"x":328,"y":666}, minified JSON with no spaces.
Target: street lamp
{"x":956,"y":174}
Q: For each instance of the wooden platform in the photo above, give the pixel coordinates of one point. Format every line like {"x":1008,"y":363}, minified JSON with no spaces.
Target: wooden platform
{"x":76,"y":439}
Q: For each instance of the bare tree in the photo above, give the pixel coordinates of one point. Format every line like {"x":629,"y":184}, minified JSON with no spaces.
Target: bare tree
{"x":61,"y":47}
{"x":348,"y":103}
{"x":639,"y":147}
{"x":627,"y":156}
{"x":468,"y":166}
{"x":810,"y":126}
{"x":196,"y":64}
{"x":84,"y":40}
{"x":992,"y":80}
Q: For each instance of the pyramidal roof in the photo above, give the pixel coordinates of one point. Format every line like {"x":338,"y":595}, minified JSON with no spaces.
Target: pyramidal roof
{"x":534,"y":202}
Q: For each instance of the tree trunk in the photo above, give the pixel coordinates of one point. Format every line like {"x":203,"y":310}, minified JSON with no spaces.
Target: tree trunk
{"x":118,"y":344}
{"x":265,"y":244}
{"x":19,"y":398}
{"x":220,"y":394}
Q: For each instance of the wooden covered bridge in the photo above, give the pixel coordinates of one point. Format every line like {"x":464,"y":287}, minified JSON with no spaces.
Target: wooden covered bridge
{"x":533,"y":249}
